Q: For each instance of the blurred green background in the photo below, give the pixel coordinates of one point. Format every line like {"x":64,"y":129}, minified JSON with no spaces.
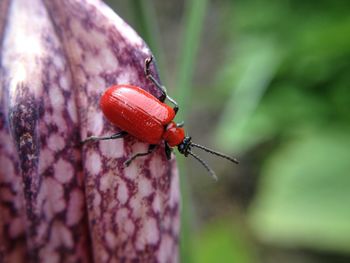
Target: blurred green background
{"x":268,"y":82}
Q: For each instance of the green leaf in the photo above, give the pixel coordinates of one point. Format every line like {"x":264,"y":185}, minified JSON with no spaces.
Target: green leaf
{"x":304,"y":197}
{"x":222,"y":241}
{"x":249,"y":77}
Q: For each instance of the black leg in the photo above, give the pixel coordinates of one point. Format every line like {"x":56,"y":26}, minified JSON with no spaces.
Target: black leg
{"x":148,"y":74}
{"x":176,"y":108}
{"x":180,"y":124}
{"x":112,"y":137}
{"x":168,"y":151}
{"x":151,"y":148}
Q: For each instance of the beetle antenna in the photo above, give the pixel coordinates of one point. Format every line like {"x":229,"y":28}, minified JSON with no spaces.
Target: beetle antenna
{"x":212,"y":173}
{"x":234,"y":160}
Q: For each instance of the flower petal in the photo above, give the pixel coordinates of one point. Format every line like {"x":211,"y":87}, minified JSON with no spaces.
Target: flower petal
{"x":133,"y":212}
{"x":44,"y":174}
{"x":57,"y":58}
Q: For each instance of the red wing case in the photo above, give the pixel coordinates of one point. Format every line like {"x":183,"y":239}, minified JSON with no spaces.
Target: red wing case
{"x":137,"y":112}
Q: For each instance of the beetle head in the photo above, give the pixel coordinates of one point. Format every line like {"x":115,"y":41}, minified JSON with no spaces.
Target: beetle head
{"x":185,"y":148}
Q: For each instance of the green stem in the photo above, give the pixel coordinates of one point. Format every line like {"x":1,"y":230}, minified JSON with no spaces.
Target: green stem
{"x":146,"y":25}
{"x":193,"y":21}
{"x":195,"y":11}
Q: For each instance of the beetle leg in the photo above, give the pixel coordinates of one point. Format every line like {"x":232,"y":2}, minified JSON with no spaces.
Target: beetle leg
{"x":168,"y":151}
{"x":112,"y":137}
{"x":151,"y":148}
{"x":164,"y":96}
{"x":180,"y":124}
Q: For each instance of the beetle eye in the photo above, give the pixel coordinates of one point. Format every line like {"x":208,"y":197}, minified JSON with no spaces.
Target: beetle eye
{"x":181,"y":147}
{"x":187,"y":140}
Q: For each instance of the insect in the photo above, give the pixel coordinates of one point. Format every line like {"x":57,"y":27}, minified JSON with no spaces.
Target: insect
{"x":140,"y":114}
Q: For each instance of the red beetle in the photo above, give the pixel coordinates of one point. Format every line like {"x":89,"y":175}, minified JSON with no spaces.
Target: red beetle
{"x":140,"y":114}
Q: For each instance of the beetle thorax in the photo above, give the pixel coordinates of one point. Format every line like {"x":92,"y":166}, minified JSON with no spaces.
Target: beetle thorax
{"x":173,"y":135}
